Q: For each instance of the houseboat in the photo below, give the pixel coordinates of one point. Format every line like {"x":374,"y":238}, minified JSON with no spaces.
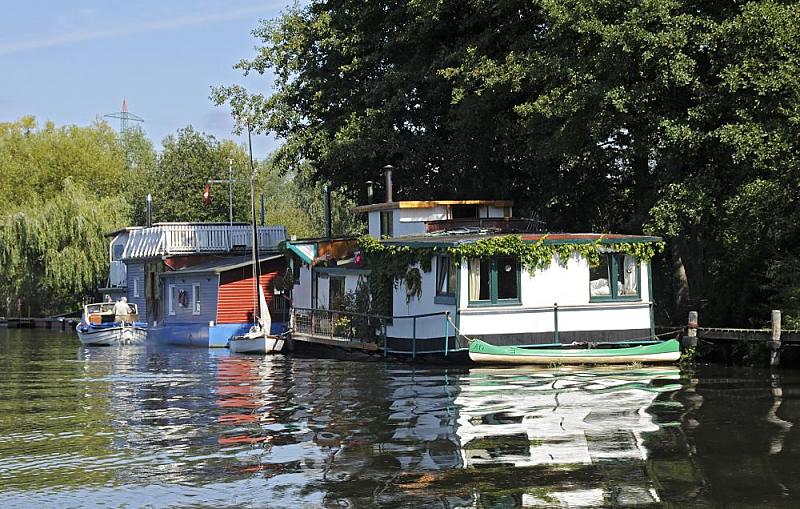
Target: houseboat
{"x":193,"y":282}
{"x":473,"y":273}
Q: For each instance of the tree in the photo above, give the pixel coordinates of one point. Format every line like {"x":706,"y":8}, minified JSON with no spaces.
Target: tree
{"x":54,"y":251}
{"x":678,"y":117}
{"x":187,"y":161}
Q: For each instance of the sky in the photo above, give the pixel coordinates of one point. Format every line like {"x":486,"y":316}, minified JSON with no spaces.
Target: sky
{"x":74,"y":61}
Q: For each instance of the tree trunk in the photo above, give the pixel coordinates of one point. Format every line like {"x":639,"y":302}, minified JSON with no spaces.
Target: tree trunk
{"x":680,"y":281}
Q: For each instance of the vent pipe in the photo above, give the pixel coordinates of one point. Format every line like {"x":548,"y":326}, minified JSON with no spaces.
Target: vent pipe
{"x":369,"y":192}
{"x":387,"y":170}
{"x":149,"y":210}
{"x":327,"y":190}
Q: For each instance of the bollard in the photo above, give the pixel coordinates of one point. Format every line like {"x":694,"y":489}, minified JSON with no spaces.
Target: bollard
{"x":775,"y":339}
{"x":691,"y":334}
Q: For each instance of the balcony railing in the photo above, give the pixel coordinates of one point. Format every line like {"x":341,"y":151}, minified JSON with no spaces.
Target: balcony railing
{"x":186,"y":238}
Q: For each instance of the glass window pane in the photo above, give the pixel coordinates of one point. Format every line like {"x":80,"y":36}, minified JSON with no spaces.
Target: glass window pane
{"x":486,"y":272}
{"x":442,"y":277}
{"x":627,"y":275}
{"x":451,"y":277}
{"x":507,"y":287}
{"x":479,"y":272}
{"x":599,"y":277}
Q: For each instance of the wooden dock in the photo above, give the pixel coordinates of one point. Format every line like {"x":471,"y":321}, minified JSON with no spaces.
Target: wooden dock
{"x":60,"y":323}
{"x":774,"y":338}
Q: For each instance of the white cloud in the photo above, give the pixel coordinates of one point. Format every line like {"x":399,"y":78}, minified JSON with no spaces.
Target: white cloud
{"x":117,"y":31}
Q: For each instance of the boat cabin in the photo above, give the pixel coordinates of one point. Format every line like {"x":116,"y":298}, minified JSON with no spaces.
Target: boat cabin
{"x":486,"y":276}
{"x":182,"y":276}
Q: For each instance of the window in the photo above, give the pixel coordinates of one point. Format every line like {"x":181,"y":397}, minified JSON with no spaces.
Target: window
{"x":336,"y":293}
{"x":445,"y":276}
{"x":172,"y":299}
{"x":117,"y":251}
{"x":615,"y":278}
{"x":464,"y":211}
{"x":195,"y":299}
{"x":136,"y":287}
{"x":494,"y":281}
{"x":387,"y":228}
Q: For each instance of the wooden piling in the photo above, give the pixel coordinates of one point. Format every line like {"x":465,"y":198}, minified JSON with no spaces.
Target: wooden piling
{"x":691,"y":330}
{"x":775,"y":339}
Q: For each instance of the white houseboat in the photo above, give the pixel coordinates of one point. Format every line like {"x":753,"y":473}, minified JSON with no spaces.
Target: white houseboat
{"x":469,"y":280}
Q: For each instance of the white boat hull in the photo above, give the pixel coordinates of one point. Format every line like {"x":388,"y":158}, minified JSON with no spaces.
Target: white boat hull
{"x":128,"y":334}
{"x":256,"y":345}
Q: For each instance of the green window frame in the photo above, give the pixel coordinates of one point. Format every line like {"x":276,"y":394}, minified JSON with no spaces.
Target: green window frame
{"x":494,"y":282}
{"x":619,"y":283}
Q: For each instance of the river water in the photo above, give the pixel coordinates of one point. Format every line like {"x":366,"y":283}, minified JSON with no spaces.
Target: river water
{"x":150,"y":426}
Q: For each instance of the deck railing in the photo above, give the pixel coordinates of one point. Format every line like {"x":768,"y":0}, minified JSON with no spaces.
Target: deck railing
{"x":346,"y":326}
{"x":186,"y":238}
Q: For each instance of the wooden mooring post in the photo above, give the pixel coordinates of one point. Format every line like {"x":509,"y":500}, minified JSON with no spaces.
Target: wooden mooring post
{"x":691,"y":330}
{"x":775,"y":339}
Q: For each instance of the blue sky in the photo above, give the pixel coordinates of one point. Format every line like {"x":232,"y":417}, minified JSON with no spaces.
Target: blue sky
{"x":74,"y":61}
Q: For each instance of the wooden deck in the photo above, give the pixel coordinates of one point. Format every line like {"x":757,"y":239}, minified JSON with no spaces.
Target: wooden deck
{"x":64,"y":324}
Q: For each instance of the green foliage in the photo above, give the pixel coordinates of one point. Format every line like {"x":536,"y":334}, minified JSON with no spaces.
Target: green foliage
{"x":391,"y":264}
{"x":54,"y":252}
{"x":674,"y":117}
{"x":187,"y":161}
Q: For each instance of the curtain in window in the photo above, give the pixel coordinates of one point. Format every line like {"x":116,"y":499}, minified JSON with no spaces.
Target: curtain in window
{"x":474,"y":279}
{"x":629,"y":282}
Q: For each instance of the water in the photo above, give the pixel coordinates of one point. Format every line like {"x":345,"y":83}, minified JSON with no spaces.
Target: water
{"x":149,"y":426}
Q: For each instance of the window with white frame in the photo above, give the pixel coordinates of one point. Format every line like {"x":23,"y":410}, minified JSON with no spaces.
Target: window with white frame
{"x":195,"y":299}
{"x":136,"y":288}
{"x":387,"y":223}
{"x":172,"y":298}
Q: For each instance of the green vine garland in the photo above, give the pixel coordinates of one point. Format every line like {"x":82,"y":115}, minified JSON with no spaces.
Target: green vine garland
{"x":391,"y":264}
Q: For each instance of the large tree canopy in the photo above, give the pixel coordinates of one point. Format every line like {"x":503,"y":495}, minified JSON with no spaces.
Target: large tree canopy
{"x":678,"y":117}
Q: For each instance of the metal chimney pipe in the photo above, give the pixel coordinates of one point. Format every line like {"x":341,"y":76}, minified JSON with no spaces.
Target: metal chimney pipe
{"x":369,"y":192}
{"x":327,"y":190}
{"x":149,"y":209}
{"x":388,"y":172}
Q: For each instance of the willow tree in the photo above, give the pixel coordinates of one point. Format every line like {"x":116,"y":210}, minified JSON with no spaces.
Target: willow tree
{"x":54,"y":252}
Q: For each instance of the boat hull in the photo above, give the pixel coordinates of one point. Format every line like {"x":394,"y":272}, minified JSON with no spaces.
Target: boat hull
{"x":128,"y":334}
{"x":259,"y":345}
{"x":666,"y":352}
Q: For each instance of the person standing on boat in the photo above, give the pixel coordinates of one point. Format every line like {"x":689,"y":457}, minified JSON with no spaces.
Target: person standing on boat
{"x":121,"y":309}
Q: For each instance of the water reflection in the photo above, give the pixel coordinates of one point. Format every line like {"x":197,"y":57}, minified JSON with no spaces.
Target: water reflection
{"x":165,"y":427}
{"x":565,"y":420}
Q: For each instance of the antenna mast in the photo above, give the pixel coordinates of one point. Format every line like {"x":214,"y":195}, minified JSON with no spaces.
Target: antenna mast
{"x":124,"y":117}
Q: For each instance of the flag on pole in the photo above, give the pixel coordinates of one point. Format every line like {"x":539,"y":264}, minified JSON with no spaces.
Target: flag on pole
{"x":207,"y":194}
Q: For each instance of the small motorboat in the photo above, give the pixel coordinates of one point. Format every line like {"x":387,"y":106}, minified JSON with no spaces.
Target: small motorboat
{"x":100,"y":325}
{"x":662,"y":352}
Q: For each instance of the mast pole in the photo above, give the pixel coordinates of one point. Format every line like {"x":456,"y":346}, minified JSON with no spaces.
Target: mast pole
{"x":256,"y":275}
